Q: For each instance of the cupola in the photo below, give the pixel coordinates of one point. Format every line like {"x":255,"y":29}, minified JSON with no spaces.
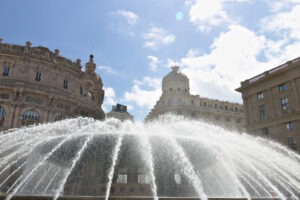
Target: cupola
{"x":175,"y":81}
{"x":90,"y":66}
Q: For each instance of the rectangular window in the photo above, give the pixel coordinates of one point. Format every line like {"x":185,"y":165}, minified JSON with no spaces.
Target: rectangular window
{"x":4,"y":96}
{"x":33,"y":100}
{"x":38,"y":76}
{"x":292,"y":141}
{"x":236,"y":109}
{"x":65,"y":84}
{"x":265,"y":131}
{"x":122,"y":178}
{"x":63,"y":106}
{"x":285,"y":103}
{"x":204,"y":104}
{"x":262,"y":112}
{"x":143,"y":179}
{"x":216,"y":105}
{"x":289,"y":126}
{"x":6,"y":71}
{"x":226,"y":107}
{"x":179,"y":101}
{"x":260,"y":95}
{"x":282,"y":88}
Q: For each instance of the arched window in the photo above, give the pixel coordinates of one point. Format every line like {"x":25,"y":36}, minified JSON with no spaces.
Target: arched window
{"x":2,"y":112}
{"x":31,"y":115}
{"x":58,"y":117}
{"x":87,"y":91}
{"x":179,"y":101}
{"x":2,"y":117}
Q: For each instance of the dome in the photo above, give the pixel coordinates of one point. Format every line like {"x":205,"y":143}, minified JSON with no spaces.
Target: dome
{"x":175,"y":81}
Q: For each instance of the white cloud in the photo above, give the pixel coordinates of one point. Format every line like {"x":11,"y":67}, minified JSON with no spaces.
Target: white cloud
{"x":131,"y":17}
{"x":206,"y":14}
{"x":144,"y":93}
{"x":277,"y":5}
{"x":109,"y":99}
{"x":148,"y":81}
{"x":107,"y":69}
{"x":193,"y":52}
{"x":233,"y":58}
{"x":130,"y":107}
{"x":284,"y":23}
{"x":153,"y":62}
{"x":171,"y":63}
{"x":157,"y":37}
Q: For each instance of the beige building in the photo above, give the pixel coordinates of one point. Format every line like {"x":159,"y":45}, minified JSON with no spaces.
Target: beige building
{"x":176,"y":99}
{"x":119,"y":111}
{"x":37,"y":86}
{"x":272,"y":103}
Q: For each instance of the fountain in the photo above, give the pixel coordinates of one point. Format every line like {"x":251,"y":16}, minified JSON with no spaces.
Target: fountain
{"x":168,"y":158}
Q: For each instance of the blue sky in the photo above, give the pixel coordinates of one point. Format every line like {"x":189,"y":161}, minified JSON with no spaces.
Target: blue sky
{"x":217,"y":43}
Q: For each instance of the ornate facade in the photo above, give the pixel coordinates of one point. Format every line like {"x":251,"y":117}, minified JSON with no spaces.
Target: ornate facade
{"x":38,"y":86}
{"x":272,"y":103}
{"x":176,"y":99}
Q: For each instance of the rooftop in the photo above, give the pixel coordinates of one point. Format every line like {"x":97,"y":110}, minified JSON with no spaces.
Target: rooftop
{"x":41,"y":53}
{"x":269,"y":73}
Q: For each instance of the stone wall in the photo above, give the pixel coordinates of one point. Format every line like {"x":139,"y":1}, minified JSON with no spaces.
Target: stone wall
{"x":176,"y":99}
{"x":266,"y":115}
{"x":42,"y":83}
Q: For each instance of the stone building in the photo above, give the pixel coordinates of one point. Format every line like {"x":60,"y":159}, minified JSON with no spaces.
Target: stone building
{"x":37,"y":86}
{"x":272,"y":105}
{"x":119,"y":111}
{"x":176,"y":99}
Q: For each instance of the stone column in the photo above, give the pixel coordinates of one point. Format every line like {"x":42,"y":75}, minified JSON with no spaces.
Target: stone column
{"x":295,"y":94}
{"x":246,"y":107}
{"x":251,"y":110}
{"x":272,"y":104}
{"x":15,"y":120}
{"x":46,"y":116}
